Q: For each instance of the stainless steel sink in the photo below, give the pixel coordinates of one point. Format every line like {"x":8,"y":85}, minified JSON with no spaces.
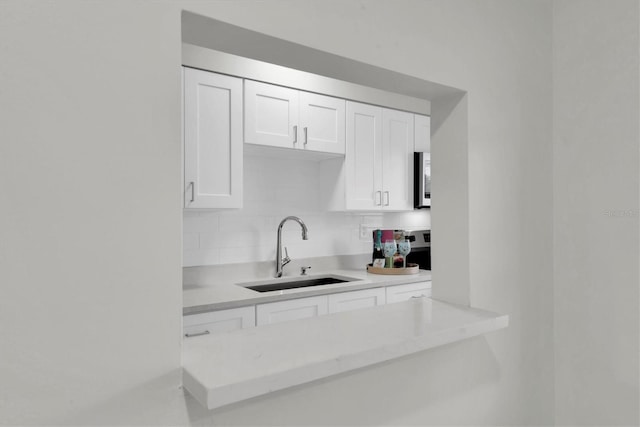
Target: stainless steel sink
{"x":298,"y":282}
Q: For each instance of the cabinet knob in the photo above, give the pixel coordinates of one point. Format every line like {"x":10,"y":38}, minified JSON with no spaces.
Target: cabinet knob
{"x":387,"y":202}
{"x":305,"y":136}
{"x":378,"y":200}
{"x":193,"y":191}
{"x":295,"y":134}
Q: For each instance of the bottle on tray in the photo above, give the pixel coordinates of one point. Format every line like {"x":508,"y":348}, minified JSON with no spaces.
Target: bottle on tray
{"x":378,"y":254}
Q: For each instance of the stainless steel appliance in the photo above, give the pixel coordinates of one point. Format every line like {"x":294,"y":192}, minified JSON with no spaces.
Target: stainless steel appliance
{"x":420,"y":248}
{"x":422,"y":180}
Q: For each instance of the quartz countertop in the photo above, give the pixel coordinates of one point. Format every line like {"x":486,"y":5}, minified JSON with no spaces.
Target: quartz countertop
{"x":234,"y":366}
{"x":221,"y":290}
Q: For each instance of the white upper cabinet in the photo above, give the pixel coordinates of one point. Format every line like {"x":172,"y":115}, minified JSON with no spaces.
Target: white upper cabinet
{"x":212,"y":140}
{"x":271,"y":115}
{"x":397,"y":160}
{"x":288,"y":118}
{"x":322,"y":121}
{"x":363,"y":158}
{"x":422,"y":133}
{"x":378,"y":168}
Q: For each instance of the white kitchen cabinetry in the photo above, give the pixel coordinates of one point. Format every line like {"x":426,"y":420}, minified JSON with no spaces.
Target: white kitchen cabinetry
{"x":300,"y":308}
{"x":355,"y":300}
{"x":397,"y":160}
{"x":363,"y":158}
{"x":422,"y":133}
{"x":405,"y":292}
{"x":270,"y":115}
{"x":212,"y":140}
{"x":322,"y":120}
{"x":287,"y":118}
{"x":219,"y":321}
{"x":378,"y":167}
{"x":294,"y":309}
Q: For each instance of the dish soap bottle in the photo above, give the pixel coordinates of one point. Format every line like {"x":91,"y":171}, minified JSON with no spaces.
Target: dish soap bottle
{"x":377,"y":246}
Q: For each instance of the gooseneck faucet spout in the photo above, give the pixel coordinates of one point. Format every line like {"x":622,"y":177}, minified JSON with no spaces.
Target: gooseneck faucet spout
{"x":281,"y":262}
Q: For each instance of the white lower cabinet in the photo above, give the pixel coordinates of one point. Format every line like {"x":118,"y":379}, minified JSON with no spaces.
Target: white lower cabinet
{"x":301,"y":308}
{"x":214,"y":322}
{"x":355,"y":300}
{"x":294,"y":309}
{"x":400,"y":293}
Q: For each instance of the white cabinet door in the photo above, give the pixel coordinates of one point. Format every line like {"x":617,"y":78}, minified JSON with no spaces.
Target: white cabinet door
{"x":355,"y":300}
{"x":219,"y":321}
{"x":363,"y":157}
{"x":322,"y":121}
{"x":405,"y":292}
{"x":378,"y":159}
{"x":295,"y":309}
{"x":422,"y":142}
{"x":282,"y":117}
{"x":397,"y":160}
{"x":212,"y":140}
{"x":271,"y":115}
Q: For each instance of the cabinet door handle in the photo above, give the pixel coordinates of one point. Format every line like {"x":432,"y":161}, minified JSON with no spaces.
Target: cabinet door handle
{"x":387,"y":202}
{"x":193,"y":191}
{"x":378,"y":198}
{"x":305,"y":136}
{"x":295,"y":134}
{"x":197,"y":334}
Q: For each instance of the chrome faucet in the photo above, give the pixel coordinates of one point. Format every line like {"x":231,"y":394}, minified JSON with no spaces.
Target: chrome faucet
{"x":281,"y":262}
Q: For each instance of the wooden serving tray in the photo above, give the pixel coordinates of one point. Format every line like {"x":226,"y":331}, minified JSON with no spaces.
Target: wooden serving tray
{"x":411,"y":269}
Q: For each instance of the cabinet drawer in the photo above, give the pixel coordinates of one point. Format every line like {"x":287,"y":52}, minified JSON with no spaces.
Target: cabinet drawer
{"x":295,"y":309}
{"x":404,"y":292}
{"x":218,"y":321}
{"x":355,"y":300}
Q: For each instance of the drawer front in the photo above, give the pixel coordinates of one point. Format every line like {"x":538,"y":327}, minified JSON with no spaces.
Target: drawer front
{"x":400,"y":293}
{"x":295,"y":309}
{"x":355,"y":300}
{"x":219,"y":321}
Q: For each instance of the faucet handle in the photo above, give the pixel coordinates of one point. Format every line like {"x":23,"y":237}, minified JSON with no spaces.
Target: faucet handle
{"x":303,"y":270}
{"x":286,"y":260}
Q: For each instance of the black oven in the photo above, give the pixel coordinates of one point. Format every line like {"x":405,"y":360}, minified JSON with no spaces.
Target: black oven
{"x":420,"y":248}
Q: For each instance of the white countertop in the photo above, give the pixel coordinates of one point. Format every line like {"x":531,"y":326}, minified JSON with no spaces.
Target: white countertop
{"x":230,"y":367}
{"x":223,"y":292}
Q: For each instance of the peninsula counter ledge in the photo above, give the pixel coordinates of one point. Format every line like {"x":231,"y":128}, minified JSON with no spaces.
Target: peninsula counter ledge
{"x":230,"y":367}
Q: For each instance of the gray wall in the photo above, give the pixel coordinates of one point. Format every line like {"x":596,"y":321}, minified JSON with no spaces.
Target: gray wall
{"x":90,"y":182}
{"x":89,"y":206}
{"x":596,"y":211}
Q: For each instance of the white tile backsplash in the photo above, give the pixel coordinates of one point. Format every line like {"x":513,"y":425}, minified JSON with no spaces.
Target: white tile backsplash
{"x":190,"y":241}
{"x":273,"y":189}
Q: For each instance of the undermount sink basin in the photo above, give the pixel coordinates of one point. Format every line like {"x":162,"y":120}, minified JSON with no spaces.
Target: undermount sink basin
{"x":292,"y":283}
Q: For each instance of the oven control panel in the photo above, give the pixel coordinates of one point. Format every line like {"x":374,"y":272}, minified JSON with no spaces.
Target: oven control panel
{"x":419,"y":238}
